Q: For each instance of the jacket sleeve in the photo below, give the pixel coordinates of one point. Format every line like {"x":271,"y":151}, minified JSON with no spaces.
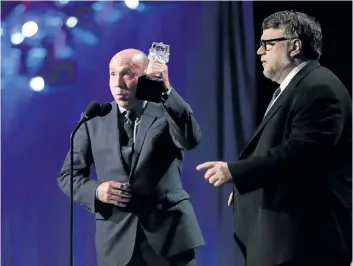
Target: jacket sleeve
{"x":184,"y":129}
{"x":84,"y":188}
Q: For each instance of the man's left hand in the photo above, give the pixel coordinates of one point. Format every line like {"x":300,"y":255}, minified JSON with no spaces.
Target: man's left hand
{"x":217,"y":172}
{"x":157,"y":69}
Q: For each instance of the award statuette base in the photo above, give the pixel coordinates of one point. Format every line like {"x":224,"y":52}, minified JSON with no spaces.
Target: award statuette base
{"x":150,"y":90}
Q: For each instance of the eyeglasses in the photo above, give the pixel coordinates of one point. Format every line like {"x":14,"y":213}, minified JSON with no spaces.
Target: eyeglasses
{"x":267,"y":44}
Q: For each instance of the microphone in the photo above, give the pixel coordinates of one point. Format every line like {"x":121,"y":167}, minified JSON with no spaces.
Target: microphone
{"x":96,"y":109}
{"x":105,"y":109}
{"x":93,"y":110}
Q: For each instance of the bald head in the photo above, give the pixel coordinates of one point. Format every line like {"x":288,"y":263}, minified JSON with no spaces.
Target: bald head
{"x":125,"y":69}
{"x":133,"y":57}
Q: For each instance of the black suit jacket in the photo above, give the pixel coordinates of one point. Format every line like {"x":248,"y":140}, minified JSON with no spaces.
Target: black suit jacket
{"x":294,"y":177}
{"x":159,"y":202}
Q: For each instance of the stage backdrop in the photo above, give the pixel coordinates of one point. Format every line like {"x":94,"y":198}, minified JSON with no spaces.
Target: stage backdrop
{"x":212,"y":65}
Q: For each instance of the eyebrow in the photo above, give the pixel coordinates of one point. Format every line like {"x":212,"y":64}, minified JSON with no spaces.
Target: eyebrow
{"x":121,"y":70}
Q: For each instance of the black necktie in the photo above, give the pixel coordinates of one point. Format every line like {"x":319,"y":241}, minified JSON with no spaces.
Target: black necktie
{"x":127,"y":148}
{"x":274,"y":96}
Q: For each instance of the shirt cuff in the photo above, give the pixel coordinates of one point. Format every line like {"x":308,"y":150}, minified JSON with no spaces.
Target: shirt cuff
{"x":165,"y":95}
{"x":168,"y":91}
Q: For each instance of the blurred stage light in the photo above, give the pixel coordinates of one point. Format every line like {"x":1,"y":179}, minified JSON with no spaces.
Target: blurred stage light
{"x":63,"y":2}
{"x":64,"y":53}
{"x":37,"y":84}
{"x":85,"y":36}
{"x":41,"y":40}
{"x":29,"y":29}
{"x":132,"y":4}
{"x":98,"y":6}
{"x":53,"y":21}
{"x":71,"y":22}
{"x":35,"y":57}
{"x":10,"y":62}
{"x":17,"y":38}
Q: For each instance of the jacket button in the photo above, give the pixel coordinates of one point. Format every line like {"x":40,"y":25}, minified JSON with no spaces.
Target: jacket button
{"x":132,"y":180}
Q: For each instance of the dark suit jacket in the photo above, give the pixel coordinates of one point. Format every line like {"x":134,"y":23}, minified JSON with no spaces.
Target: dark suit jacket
{"x":294,"y":177}
{"x":159,"y":202}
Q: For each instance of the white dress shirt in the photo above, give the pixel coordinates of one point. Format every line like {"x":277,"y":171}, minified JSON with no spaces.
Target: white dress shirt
{"x":286,"y":81}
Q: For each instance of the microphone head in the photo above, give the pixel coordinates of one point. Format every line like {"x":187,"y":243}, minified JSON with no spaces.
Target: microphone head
{"x":105,"y":109}
{"x":92,"y":109}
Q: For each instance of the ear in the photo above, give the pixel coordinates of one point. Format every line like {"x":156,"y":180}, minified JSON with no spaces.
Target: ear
{"x":296,"y":47}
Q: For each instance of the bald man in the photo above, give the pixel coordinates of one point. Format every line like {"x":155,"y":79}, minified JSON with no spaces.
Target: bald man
{"x":143,"y":214}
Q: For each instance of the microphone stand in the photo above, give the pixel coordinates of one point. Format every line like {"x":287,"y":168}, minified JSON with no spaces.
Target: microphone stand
{"x":93,"y":109}
{"x":83,"y":120}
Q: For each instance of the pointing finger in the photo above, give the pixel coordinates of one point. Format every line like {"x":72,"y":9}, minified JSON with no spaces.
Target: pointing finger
{"x":205,"y":165}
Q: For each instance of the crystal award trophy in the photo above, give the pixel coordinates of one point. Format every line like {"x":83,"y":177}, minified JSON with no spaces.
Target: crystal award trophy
{"x":159,"y":51}
{"x":151,"y":88}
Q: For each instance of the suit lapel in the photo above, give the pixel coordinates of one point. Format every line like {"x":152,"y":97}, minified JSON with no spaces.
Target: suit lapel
{"x":149,"y":115}
{"x":113,"y":130}
{"x":279,"y":102}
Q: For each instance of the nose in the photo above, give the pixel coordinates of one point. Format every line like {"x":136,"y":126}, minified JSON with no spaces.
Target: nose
{"x":118,"y":81}
{"x":260,"y":51}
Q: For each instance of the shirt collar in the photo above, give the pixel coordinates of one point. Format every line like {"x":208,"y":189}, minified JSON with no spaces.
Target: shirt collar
{"x":138,"y":109}
{"x":291,"y":75}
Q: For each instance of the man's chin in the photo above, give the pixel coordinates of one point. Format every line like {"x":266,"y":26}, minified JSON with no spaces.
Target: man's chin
{"x":127,"y":103}
{"x":268,"y":74}
{"x":122,"y":102}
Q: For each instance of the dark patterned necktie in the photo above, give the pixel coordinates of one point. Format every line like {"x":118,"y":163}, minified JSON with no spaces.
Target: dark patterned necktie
{"x":127,"y":149}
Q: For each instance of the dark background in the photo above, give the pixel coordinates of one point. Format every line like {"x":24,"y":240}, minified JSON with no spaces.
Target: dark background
{"x":336,"y":23}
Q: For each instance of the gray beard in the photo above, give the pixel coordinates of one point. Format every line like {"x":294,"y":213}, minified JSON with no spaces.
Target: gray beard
{"x":276,"y":74}
{"x":270,"y":74}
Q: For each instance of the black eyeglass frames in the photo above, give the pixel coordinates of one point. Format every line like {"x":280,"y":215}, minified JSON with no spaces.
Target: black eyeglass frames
{"x":264,"y":43}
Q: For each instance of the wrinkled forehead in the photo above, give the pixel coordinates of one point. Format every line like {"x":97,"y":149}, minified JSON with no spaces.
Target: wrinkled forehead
{"x":125,"y":62}
{"x":272,"y":34}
